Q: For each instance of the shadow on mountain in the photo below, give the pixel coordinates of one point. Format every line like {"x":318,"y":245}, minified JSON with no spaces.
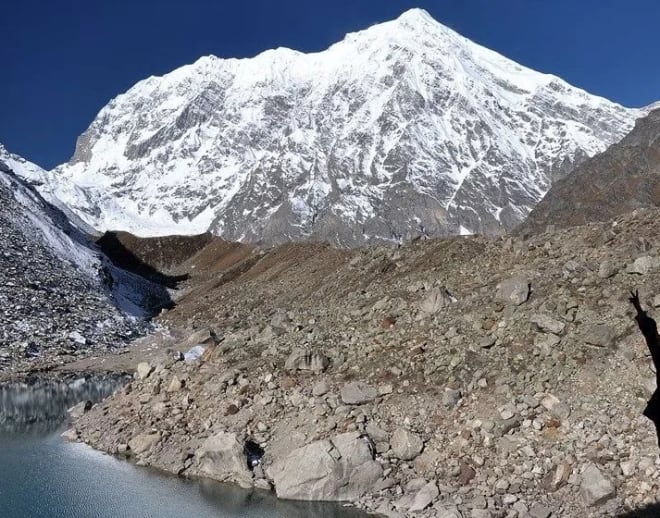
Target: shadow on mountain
{"x":649,"y":511}
{"x":123,"y":257}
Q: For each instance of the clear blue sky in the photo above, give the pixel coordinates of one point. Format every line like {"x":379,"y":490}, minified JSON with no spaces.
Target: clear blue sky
{"x":63,"y":60}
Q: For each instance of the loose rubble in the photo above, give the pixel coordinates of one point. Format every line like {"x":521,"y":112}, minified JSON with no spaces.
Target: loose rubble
{"x":518,"y":395}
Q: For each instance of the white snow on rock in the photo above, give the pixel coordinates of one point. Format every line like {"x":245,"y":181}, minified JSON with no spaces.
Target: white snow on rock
{"x":402,"y":129}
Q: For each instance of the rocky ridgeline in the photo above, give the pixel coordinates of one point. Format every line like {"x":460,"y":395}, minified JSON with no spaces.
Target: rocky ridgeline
{"x":461,"y":378}
{"x":48,"y":304}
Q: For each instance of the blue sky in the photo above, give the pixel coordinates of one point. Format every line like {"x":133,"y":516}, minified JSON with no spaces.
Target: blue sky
{"x":63,"y":60}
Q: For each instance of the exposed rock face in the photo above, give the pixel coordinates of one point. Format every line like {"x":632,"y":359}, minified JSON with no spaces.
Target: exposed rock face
{"x":341,"y":468}
{"x":404,"y":129}
{"x":623,"y":178}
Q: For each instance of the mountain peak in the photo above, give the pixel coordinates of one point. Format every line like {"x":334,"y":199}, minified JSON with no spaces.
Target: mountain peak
{"x":417,"y":15}
{"x":386,"y":135}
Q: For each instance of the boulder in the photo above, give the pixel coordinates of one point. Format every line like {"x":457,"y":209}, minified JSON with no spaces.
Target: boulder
{"x":547,"y":324}
{"x":221,"y":458}
{"x":204,"y":337}
{"x":643,"y":265}
{"x":143,"y":442}
{"x":78,"y":410}
{"x":358,"y":393}
{"x":556,"y":407}
{"x":600,"y":335}
{"x":175,"y":385}
{"x":451,"y":397}
{"x":306,"y":361}
{"x":424,"y":497}
{"x":595,"y":488}
{"x":515,"y":290}
{"x":70,"y":435}
{"x":341,"y":468}
{"x":144,"y":369}
{"x":405,"y":444}
{"x":437,"y":299}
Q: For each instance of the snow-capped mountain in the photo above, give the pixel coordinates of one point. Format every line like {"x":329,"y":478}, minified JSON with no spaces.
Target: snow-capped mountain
{"x":405,"y":128}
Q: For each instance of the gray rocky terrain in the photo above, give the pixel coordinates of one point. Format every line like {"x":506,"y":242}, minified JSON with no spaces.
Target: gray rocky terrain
{"x":463,"y":378}
{"x":59,"y":297}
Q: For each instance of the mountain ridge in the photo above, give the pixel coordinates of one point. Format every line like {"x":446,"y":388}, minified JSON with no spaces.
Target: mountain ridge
{"x":400,"y":130}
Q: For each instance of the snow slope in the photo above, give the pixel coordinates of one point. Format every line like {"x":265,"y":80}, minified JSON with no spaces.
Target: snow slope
{"x":403,"y":129}
{"x":64,"y":248}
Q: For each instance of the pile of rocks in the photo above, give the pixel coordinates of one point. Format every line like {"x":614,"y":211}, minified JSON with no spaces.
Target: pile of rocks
{"x":459,"y":378}
{"x":49,"y":305}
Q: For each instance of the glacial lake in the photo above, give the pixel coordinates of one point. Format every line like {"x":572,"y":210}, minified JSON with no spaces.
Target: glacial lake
{"x":43,"y":476}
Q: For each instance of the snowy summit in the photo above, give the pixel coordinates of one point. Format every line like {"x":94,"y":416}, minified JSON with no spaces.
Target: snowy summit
{"x":403,"y":129}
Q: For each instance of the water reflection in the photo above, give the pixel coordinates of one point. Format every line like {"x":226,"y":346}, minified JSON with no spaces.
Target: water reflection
{"x":234,"y":502}
{"x":40,"y":405}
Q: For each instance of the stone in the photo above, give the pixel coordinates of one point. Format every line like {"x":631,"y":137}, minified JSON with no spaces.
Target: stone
{"x":70,"y":435}
{"x":320,"y":389}
{"x":607,"y":269}
{"x":303,"y":360}
{"x":405,"y":444}
{"x":424,"y":497}
{"x":144,"y":369}
{"x":594,"y":487}
{"x":643,"y":265}
{"x":204,"y":337}
{"x":515,"y":290}
{"x":175,"y":385}
{"x":437,"y":299}
{"x":487,"y":342}
{"x":556,"y":407}
{"x":358,"y":393}
{"x":558,"y":477}
{"x":600,"y":335}
{"x":340,"y":468}
{"x":77,"y":411}
{"x":221,"y":458}
{"x":143,"y":442}
{"x":448,"y":511}
{"x":466,"y":473}
{"x":547,"y":324}
{"x":539,"y":511}
{"x":451,"y":397}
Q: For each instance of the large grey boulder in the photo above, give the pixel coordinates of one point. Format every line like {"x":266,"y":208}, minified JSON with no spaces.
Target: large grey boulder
{"x":358,"y":393}
{"x":142,"y":443}
{"x":405,"y":444}
{"x":144,"y":369}
{"x":595,"y":488}
{"x":515,"y":290}
{"x":341,"y":468}
{"x":221,"y":458}
{"x":600,"y":335}
{"x":644,"y":265}
{"x":424,"y":497}
{"x":547,"y":324}
{"x":437,"y":299}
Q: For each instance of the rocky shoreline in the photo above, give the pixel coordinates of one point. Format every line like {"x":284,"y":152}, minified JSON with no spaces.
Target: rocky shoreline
{"x":459,"y":378}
